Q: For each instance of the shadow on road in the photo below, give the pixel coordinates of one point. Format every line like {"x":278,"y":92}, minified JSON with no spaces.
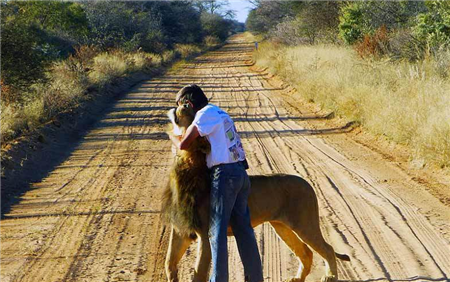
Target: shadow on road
{"x":415,"y":278}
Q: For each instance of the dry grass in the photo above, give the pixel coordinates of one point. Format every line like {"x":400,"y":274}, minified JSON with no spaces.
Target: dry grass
{"x":141,"y":61}
{"x":69,"y":80}
{"x":187,"y":51}
{"x":108,"y":66}
{"x":67,"y":86}
{"x":211,"y":41}
{"x":408,"y":103}
{"x":16,"y":120}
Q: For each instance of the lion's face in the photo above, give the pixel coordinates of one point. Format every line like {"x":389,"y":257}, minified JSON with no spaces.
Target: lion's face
{"x":181,"y":117}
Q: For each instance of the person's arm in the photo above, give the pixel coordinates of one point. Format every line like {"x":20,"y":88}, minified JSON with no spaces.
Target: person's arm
{"x":188,"y":138}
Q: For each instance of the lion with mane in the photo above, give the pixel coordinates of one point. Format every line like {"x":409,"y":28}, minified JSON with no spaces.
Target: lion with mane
{"x":287,"y":202}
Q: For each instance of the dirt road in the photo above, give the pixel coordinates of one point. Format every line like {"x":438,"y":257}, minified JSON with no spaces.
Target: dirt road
{"x":96,"y":217}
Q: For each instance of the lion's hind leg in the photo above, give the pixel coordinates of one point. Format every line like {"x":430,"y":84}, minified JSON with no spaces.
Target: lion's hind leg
{"x":299,"y":248}
{"x":312,"y":236}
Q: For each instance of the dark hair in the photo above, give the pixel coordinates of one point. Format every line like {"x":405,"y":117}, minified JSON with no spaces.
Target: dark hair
{"x":194,"y":94}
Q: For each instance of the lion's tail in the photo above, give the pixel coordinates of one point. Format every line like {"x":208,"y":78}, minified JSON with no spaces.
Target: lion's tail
{"x":343,"y":257}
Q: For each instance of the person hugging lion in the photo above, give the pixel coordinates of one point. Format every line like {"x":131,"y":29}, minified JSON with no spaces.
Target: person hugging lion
{"x":230,"y":184}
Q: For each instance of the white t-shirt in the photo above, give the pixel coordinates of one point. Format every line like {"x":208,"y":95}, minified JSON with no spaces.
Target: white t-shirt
{"x":226,"y":147}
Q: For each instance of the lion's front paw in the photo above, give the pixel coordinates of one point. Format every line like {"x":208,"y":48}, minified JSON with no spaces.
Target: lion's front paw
{"x":329,"y":279}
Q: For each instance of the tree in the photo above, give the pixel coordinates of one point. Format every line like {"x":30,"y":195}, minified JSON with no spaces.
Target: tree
{"x":180,"y":22}
{"x":22,"y":62}
{"x":215,"y":25}
{"x":319,"y":19}
{"x":35,"y":33}
{"x":128,"y":25}
{"x":268,"y":14}
{"x":218,"y":7}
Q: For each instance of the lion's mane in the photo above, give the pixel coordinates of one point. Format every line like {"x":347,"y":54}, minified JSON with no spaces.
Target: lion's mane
{"x":188,"y":186}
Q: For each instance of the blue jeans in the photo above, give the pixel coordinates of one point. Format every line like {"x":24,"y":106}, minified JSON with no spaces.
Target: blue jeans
{"x":229,"y":193}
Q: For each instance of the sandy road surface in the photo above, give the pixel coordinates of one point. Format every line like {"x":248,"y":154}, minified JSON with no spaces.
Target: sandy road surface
{"x":95,"y":217}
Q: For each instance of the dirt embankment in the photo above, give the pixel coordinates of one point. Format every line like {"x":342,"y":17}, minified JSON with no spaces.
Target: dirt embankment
{"x":94,"y":216}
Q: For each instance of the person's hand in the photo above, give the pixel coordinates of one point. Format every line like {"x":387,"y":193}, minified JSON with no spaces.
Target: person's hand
{"x":176,"y":140}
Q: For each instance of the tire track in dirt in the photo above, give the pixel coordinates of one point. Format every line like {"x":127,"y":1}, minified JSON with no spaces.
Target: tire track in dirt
{"x":266,"y":142}
{"x":96,"y":216}
{"x":107,"y":174}
{"x":442,"y":273}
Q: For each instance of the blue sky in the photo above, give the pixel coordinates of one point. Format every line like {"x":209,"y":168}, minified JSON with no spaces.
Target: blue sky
{"x":241,"y":7}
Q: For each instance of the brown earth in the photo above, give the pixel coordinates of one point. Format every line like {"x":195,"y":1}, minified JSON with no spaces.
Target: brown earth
{"x":95,"y":216}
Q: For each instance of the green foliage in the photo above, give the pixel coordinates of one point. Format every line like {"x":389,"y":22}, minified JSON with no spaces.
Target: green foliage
{"x":54,"y":51}
{"x":365,"y":17}
{"x":181,"y":22}
{"x":33,"y":34}
{"x":351,"y":23}
{"x":22,"y":61}
{"x":433,"y":26}
{"x":215,"y":25}
{"x":54,"y":15}
{"x":37,"y":33}
{"x":60,"y":25}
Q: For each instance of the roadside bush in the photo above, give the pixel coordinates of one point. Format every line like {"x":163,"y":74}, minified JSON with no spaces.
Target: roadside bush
{"x":22,"y":63}
{"x":268,"y":14}
{"x":85,"y":55}
{"x":211,"y":41}
{"x":169,"y":56}
{"x":67,"y":85}
{"x":141,"y":61}
{"x":302,"y":29}
{"x":187,"y":51}
{"x":433,"y":26}
{"x":318,"y":21}
{"x":351,"y":26}
{"x":12,"y":123}
{"x":108,"y":66}
{"x":403,"y":44}
{"x":126,"y":25}
{"x":34,"y":33}
{"x":215,"y":25}
{"x":365,"y":17}
{"x":288,"y":32}
{"x":17,"y":119}
{"x":375,"y":45}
